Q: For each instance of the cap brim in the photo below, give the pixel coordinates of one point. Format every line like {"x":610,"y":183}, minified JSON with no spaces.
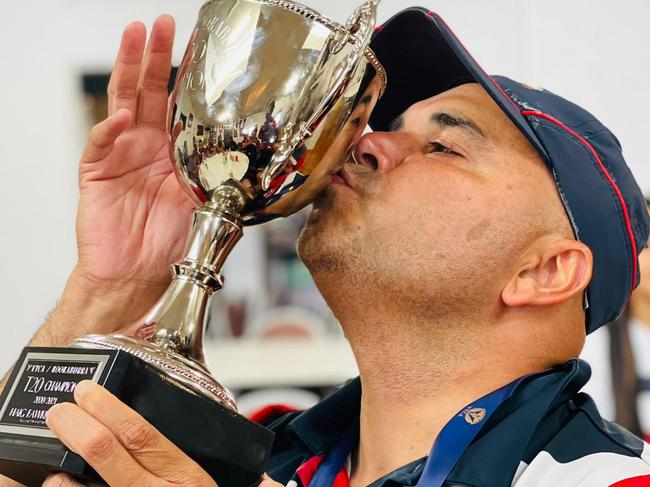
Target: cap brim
{"x":423,"y":58}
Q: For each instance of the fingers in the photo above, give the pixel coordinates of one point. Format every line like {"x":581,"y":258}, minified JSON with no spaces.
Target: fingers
{"x":154,"y":78}
{"x":123,"y":85}
{"x":103,"y":136}
{"x":143,"y":442}
{"x":61,"y":480}
{"x":86,"y":436}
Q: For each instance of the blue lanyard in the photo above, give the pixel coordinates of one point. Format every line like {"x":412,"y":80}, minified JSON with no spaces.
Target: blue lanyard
{"x":457,"y":435}
{"x":335,"y":459}
{"x":450,"y":445}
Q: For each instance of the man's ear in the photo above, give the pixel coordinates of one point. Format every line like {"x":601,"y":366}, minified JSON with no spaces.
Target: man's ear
{"x":553,"y":271}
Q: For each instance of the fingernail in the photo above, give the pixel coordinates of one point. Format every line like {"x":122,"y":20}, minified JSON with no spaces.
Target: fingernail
{"x":54,"y":410}
{"x":82,"y":389}
{"x":52,"y":480}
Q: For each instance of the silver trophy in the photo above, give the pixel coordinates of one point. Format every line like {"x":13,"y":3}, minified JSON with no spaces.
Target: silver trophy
{"x":259,"y":122}
{"x":269,"y":99}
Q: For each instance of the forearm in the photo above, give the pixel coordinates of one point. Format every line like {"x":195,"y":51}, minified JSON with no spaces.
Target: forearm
{"x":88,"y":307}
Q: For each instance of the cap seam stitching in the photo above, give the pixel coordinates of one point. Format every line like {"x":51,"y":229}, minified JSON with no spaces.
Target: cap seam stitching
{"x":612,"y":194}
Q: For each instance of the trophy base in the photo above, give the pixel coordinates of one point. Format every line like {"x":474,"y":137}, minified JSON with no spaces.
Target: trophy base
{"x":228,"y":446}
{"x":184,"y":371}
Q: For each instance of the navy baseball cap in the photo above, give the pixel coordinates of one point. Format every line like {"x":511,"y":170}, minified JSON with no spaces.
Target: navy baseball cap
{"x":607,"y":210}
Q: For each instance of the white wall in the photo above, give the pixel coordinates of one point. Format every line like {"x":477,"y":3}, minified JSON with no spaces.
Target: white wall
{"x":592,"y":51}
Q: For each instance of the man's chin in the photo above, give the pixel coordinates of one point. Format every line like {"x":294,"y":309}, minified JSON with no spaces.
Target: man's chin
{"x":324,"y":199}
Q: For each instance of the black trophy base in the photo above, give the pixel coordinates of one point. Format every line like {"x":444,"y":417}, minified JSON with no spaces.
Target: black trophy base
{"x":232,"y":449}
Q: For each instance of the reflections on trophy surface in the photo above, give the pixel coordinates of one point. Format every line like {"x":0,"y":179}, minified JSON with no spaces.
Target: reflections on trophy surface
{"x":268,"y":101}
{"x":263,"y":104}
{"x":214,"y":155}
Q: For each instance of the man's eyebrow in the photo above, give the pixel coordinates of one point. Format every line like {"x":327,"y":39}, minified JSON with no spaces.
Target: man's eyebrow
{"x":396,"y":124}
{"x":448,"y":120}
{"x":443,"y":119}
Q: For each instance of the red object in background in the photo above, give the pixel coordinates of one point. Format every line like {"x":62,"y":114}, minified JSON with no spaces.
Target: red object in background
{"x":643,"y":481}
{"x":237,"y":316}
{"x":269,"y":413}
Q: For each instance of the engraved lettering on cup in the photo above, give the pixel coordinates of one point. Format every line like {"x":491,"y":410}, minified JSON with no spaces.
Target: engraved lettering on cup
{"x":217,"y":27}
{"x":194,"y":80}
{"x":199,"y":48}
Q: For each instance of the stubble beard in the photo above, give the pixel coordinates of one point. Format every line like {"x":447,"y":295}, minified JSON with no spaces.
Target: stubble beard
{"x":322,"y":245}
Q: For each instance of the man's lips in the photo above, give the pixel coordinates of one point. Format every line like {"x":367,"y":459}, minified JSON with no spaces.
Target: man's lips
{"x":338,"y":179}
{"x":343,"y":177}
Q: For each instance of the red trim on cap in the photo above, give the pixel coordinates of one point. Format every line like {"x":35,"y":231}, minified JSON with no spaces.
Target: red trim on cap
{"x":642,"y":481}
{"x":498,"y":87}
{"x":628,"y":224}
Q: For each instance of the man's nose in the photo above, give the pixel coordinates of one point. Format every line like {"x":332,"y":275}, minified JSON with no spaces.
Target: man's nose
{"x":382,"y":151}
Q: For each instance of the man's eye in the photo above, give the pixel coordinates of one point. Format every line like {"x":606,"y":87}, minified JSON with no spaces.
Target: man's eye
{"x":438,"y":147}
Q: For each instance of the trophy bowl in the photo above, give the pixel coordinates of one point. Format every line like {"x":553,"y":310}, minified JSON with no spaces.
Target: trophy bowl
{"x":268,"y":102}
{"x":264,"y":91}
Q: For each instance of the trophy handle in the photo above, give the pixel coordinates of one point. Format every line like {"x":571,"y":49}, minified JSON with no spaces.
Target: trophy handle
{"x":360,"y":24}
{"x":357,"y":31}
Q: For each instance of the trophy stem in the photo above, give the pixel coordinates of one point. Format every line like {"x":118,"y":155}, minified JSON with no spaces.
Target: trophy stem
{"x":177,"y":321}
{"x":170,"y":336}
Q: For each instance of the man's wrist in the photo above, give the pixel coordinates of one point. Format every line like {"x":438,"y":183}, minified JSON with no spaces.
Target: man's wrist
{"x":88,"y":306}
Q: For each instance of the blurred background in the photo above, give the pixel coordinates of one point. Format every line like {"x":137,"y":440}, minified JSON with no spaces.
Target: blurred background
{"x":270,"y":334}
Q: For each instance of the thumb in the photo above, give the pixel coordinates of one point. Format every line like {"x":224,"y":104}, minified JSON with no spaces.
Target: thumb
{"x":104,"y":134}
{"x":268,"y":482}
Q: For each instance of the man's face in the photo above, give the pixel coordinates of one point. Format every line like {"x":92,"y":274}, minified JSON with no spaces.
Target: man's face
{"x":437,"y":211}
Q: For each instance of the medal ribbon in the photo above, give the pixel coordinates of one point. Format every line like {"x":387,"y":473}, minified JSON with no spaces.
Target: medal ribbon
{"x":330,"y":470}
{"x":458,"y":434}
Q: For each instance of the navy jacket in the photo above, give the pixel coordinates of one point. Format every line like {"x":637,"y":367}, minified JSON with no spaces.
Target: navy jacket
{"x":546,"y":433}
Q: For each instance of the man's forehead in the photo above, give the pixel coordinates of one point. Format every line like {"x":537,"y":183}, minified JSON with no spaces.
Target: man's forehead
{"x":469,"y":101}
{"x":469,"y":106}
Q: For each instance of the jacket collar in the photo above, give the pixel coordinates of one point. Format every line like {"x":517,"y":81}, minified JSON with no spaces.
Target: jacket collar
{"x":316,"y":430}
{"x":517,"y":427}
{"x":502,"y":441}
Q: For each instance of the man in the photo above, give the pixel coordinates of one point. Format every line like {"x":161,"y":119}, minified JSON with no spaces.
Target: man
{"x":447,"y":254}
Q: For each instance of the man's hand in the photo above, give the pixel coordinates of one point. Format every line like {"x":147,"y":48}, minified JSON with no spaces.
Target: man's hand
{"x":133,"y":215}
{"x":120,"y":445}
